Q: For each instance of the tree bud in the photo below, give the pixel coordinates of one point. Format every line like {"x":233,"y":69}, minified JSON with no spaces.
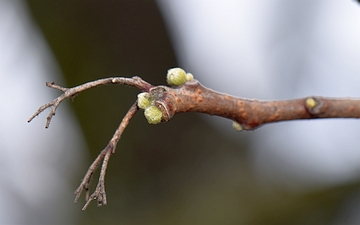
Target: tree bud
{"x":176,"y":76}
{"x":237,"y":126}
{"x":153,"y":114}
{"x":143,"y":100}
{"x":189,"y":76}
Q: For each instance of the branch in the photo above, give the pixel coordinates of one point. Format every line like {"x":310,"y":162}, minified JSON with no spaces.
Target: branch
{"x":72,"y":92}
{"x":104,"y":156}
{"x":161,"y":103}
{"x":250,"y":114}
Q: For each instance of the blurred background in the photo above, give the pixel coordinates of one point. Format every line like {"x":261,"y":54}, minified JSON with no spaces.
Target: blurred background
{"x":194,"y":169}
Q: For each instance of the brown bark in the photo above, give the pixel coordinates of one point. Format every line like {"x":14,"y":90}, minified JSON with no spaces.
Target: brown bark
{"x":193,"y":97}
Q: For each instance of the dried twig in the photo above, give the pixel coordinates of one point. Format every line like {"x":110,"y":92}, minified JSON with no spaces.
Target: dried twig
{"x":104,"y":156}
{"x":71,"y":92}
{"x":161,"y":103}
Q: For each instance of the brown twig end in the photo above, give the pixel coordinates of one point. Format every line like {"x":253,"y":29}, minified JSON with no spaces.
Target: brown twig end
{"x":99,"y":194}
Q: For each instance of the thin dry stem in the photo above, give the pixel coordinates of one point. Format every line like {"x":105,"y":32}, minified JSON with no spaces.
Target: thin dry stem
{"x":104,"y":156}
{"x":71,"y":92}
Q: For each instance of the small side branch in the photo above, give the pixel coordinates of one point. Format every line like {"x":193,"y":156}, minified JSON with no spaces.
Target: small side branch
{"x":72,"y":92}
{"x":104,"y":156}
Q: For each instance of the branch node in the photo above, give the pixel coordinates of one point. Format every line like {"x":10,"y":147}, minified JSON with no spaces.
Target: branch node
{"x":313,"y":105}
{"x":310,"y":103}
{"x":57,"y":87}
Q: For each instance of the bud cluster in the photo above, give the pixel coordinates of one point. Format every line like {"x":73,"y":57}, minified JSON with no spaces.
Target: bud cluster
{"x":152,"y":113}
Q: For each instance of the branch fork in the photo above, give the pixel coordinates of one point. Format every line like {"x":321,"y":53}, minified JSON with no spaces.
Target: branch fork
{"x":161,"y":103}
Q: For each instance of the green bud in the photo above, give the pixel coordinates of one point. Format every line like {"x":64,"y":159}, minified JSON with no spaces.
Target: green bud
{"x":237,"y":126}
{"x":189,"y":76}
{"x":176,"y":76}
{"x":311,"y":103}
{"x":153,"y":114}
{"x":143,"y":100}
